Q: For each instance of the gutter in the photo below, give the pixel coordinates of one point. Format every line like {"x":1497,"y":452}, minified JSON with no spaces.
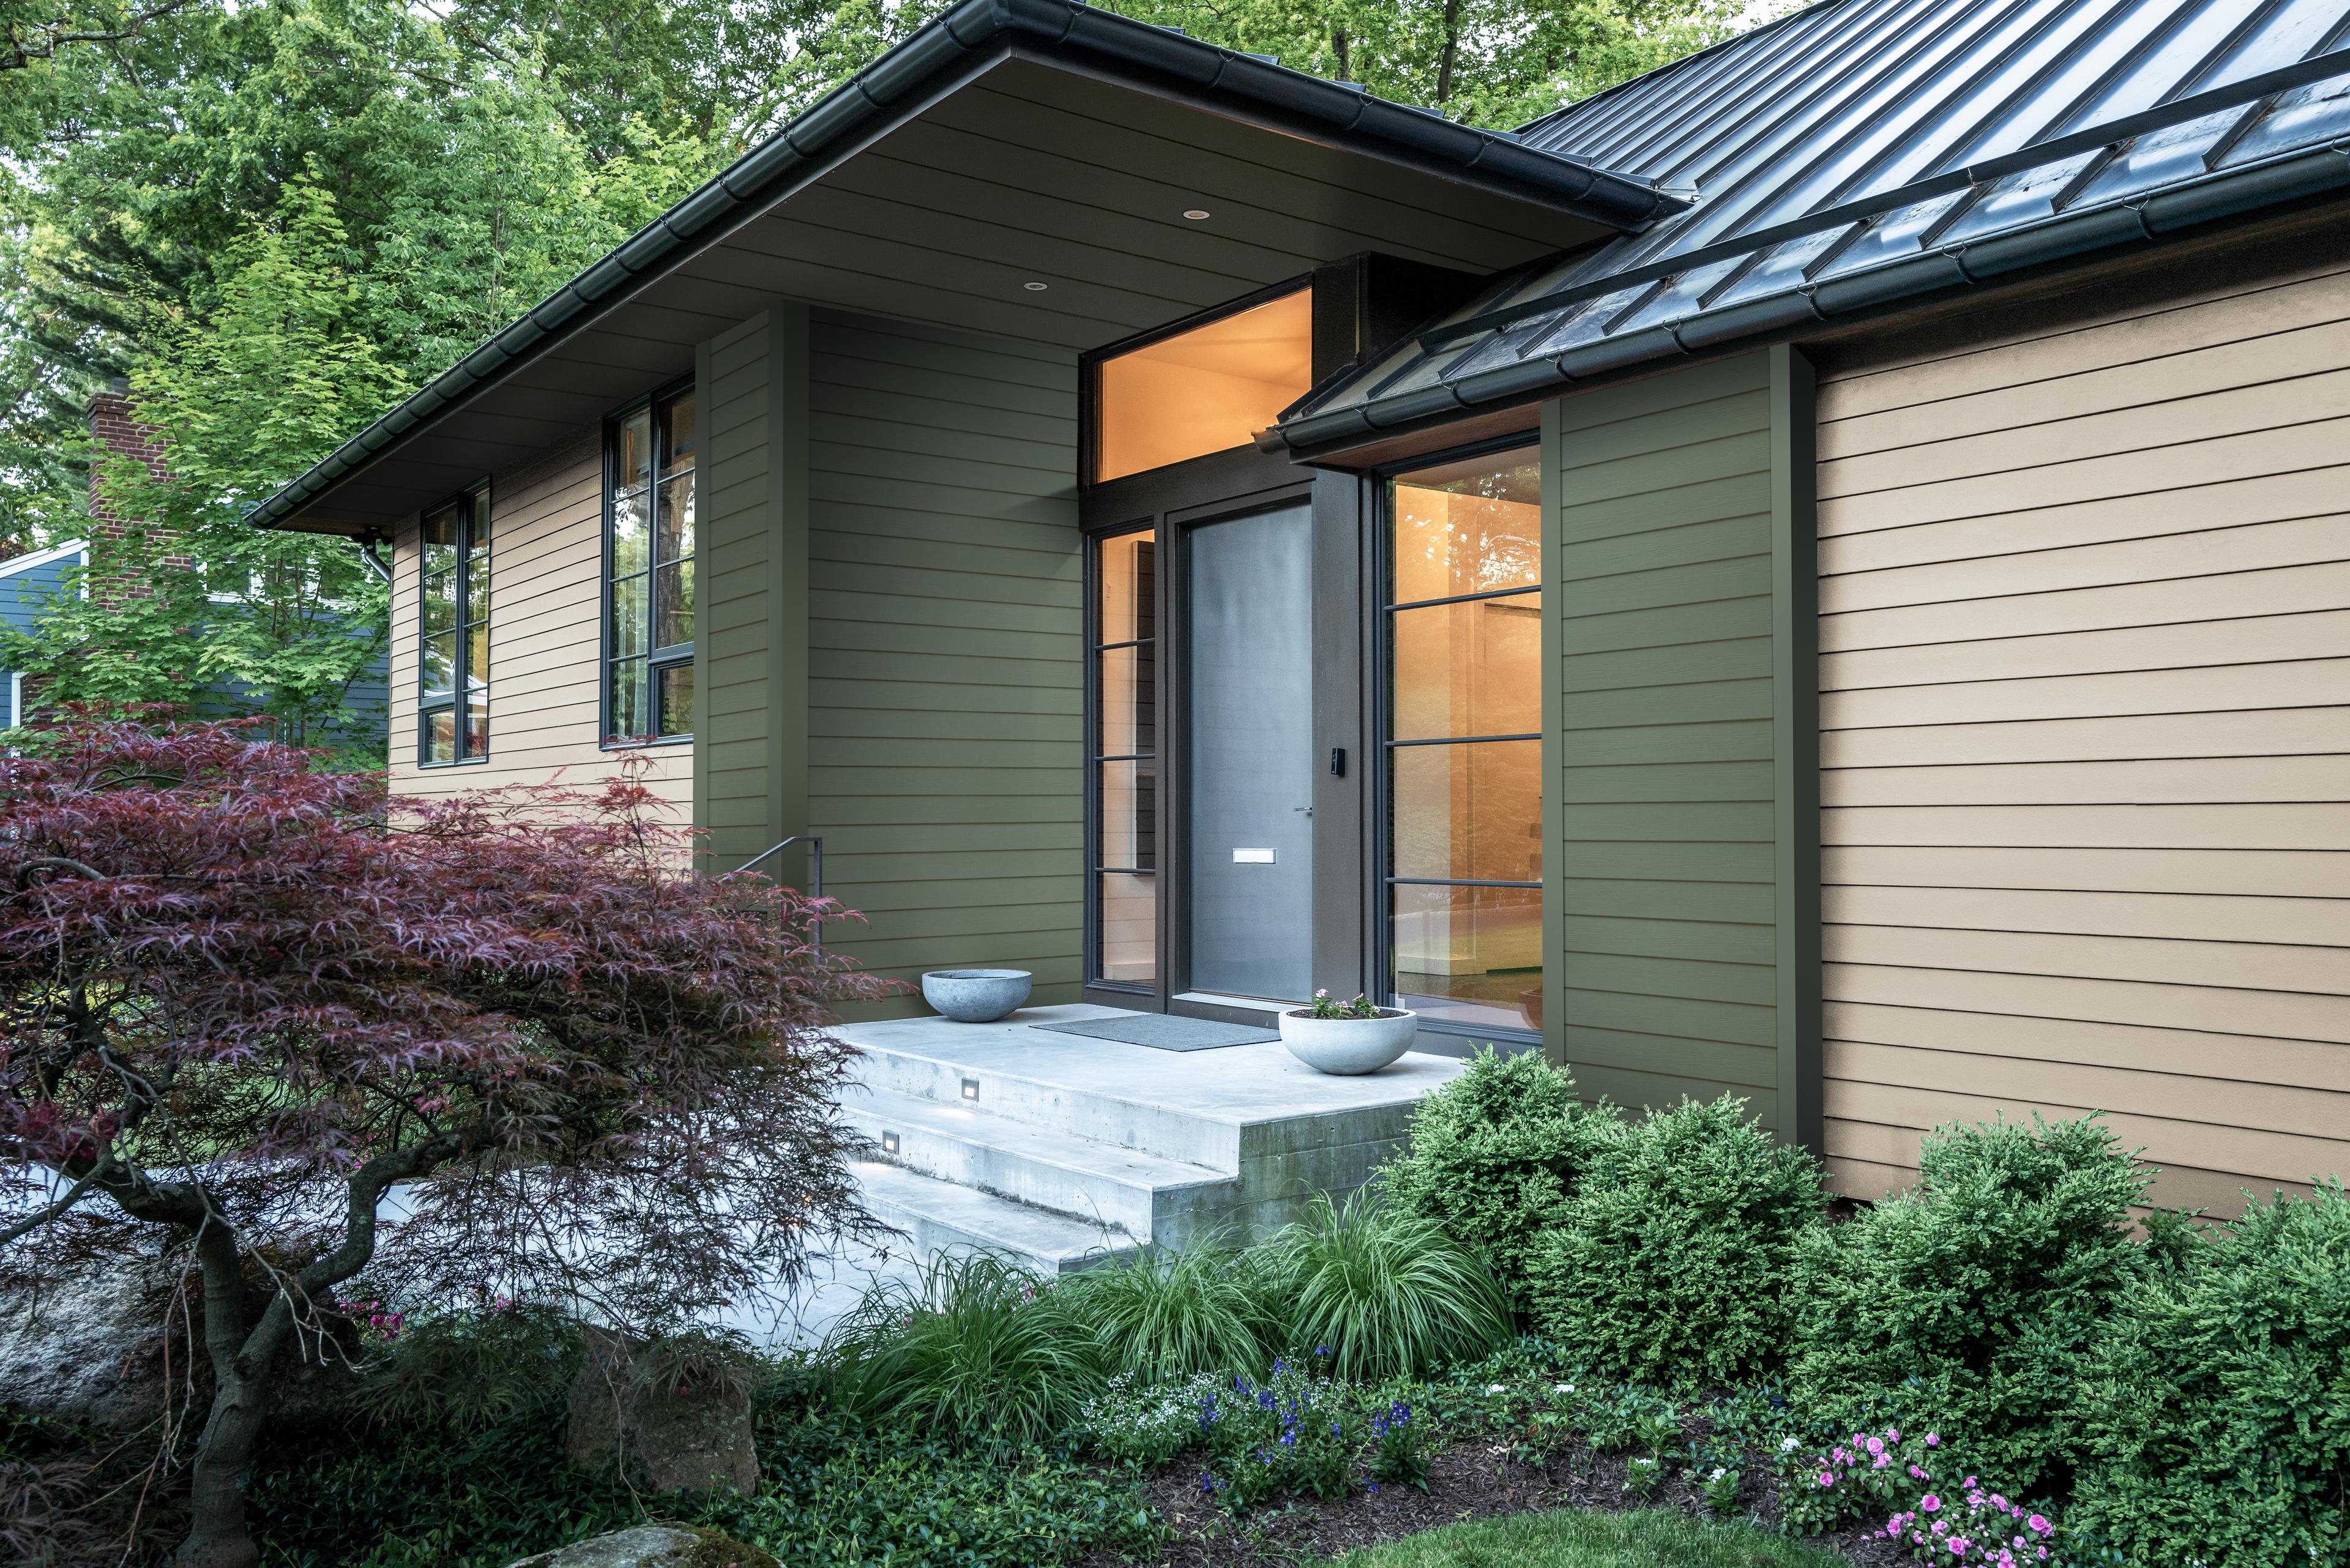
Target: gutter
{"x":2139,"y":223}
{"x":977,"y":33}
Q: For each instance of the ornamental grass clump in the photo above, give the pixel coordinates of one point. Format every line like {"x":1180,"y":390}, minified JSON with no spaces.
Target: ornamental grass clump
{"x":1493,"y":1156}
{"x":2214,"y":1416}
{"x":1382,"y":1293}
{"x":1969,"y":1304}
{"x":1166,"y":1312}
{"x":1674,"y":1254}
{"x":974,"y":1349}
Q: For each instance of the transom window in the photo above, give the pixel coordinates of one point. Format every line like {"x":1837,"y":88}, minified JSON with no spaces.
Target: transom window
{"x":1464,"y":743}
{"x":649,"y":573}
{"x":452,"y":702}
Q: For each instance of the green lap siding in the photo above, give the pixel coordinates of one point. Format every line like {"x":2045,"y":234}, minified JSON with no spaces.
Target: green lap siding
{"x":1677,"y":716}
{"x":944,"y":630}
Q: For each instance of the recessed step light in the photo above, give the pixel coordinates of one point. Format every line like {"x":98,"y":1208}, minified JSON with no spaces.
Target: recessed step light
{"x":889,"y":1143}
{"x":1196,"y":213}
{"x":1034,"y":288}
{"x":970,"y":1088}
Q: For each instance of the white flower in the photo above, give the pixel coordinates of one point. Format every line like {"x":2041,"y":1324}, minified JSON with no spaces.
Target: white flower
{"x":1496,"y":1388}
{"x":1788,"y":1445}
{"x":1562,"y":1387}
{"x":1718,"y":1473}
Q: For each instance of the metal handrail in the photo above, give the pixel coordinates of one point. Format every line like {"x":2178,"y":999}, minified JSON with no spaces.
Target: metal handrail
{"x":815,"y":871}
{"x":815,"y":858}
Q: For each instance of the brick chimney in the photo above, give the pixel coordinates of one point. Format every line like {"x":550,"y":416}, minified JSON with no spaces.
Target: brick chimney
{"x":117,"y":429}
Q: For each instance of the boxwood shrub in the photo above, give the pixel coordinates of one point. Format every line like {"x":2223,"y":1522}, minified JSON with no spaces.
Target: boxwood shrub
{"x":1673,"y":1256}
{"x":2215,"y":1416}
{"x":1492,"y":1157}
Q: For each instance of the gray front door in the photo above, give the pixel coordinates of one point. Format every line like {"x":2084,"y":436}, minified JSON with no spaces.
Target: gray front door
{"x":1253,"y":750}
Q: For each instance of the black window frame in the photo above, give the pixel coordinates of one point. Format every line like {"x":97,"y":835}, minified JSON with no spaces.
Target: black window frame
{"x":657,"y":658}
{"x":1510,"y":1038}
{"x":465,"y":684}
{"x":1097,"y":867}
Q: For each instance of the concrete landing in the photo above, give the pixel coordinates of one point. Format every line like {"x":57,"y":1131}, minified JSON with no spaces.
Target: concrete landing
{"x":1060,"y":1148}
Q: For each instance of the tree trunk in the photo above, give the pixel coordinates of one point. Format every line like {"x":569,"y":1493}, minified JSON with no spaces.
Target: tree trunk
{"x":243,"y":1368}
{"x":1451,"y":53}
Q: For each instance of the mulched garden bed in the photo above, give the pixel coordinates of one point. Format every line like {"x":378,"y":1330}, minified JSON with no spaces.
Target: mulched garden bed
{"x":1468,"y":1480}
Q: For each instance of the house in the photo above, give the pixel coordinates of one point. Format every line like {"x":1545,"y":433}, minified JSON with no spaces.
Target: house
{"x":28,"y":583}
{"x":1820,"y":572}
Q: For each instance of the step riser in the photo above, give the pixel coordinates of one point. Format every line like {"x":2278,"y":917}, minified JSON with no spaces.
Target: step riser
{"x":1153,"y":1129}
{"x":1138,"y":1208}
{"x":927,"y":1236}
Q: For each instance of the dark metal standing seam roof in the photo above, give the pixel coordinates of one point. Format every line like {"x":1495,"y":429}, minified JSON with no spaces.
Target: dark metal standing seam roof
{"x":1863,"y":151}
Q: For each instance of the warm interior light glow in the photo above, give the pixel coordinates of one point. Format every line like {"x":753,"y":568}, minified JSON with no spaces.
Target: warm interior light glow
{"x":1208,"y":390}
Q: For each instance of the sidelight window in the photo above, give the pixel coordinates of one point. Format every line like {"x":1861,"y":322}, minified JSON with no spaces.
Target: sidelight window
{"x":1125,"y":746}
{"x":649,"y":573}
{"x":1464,"y":743}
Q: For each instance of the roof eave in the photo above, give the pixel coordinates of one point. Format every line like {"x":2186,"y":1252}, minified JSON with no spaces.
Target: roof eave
{"x":2231,"y":196}
{"x":972,"y":36}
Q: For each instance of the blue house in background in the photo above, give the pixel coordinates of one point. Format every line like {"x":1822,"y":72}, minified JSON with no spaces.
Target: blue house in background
{"x":26,"y":582}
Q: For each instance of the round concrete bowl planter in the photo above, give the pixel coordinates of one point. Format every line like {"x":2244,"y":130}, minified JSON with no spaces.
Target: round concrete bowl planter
{"x":977,"y":995}
{"x":1349,"y":1047}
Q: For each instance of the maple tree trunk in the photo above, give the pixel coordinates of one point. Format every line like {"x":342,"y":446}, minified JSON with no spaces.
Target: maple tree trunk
{"x":242,"y":1366}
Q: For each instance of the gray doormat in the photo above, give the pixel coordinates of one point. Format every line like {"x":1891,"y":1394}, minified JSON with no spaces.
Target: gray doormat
{"x":1166,"y":1031}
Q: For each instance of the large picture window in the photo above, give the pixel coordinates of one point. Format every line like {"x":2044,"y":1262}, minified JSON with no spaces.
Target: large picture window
{"x":1464,"y":743}
{"x":453,"y":701}
{"x":1125,"y":746}
{"x":649,"y":573}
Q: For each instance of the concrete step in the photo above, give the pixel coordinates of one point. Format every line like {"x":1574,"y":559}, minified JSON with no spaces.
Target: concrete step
{"x":1039,"y":1097}
{"x":940,"y":1215}
{"x":1145,"y":1196}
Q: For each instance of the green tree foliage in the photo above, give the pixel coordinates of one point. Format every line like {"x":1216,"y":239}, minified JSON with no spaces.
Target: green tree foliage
{"x":1492,"y":1157}
{"x":167,"y":164}
{"x":1675,"y":1252}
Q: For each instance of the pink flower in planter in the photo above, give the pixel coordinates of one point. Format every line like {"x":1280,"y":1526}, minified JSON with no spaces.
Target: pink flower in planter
{"x":1930,"y":1504}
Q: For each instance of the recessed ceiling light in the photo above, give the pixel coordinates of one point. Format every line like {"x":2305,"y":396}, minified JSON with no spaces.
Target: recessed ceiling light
{"x":1034,"y":288}
{"x":1196,"y":213}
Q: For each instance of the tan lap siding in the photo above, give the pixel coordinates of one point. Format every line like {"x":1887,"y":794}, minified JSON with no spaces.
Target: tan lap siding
{"x":945,"y":687}
{"x":2084,"y":659}
{"x":545,"y":599}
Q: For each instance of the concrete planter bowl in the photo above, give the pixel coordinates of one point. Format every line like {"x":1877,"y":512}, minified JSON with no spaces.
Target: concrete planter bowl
{"x":977,"y":995}
{"x":1349,"y":1047}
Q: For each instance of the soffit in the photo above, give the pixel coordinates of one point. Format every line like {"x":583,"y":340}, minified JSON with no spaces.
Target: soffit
{"x":1027,"y":171}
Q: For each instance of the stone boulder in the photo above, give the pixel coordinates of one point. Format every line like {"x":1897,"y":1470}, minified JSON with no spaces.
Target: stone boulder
{"x":653,"y":1546}
{"x":86,"y":1341}
{"x":662,"y":1438}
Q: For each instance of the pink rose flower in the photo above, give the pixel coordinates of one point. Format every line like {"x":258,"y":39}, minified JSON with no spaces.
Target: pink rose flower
{"x":1933,"y":1441}
{"x":2041,"y":1527}
{"x":1827,"y":1478}
{"x":1930,"y":1504}
{"x":1876,"y":1445}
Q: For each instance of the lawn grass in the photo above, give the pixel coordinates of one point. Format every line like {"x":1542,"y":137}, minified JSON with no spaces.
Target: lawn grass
{"x":1575,"y":1538}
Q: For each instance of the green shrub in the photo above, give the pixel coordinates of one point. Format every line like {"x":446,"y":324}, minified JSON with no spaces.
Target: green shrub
{"x":1494,"y":1154}
{"x":2216,"y":1415}
{"x":1167,"y":1312}
{"x":1374,"y":1292}
{"x":1673,"y":1256}
{"x":1966,"y":1305}
{"x":974,"y":1348}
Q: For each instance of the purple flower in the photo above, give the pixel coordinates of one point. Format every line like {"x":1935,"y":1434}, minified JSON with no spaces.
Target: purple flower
{"x":1930,"y":1503}
{"x":1876,"y":1445}
{"x":1827,"y":1478}
{"x":2041,"y":1527}
{"x":1933,"y":1441}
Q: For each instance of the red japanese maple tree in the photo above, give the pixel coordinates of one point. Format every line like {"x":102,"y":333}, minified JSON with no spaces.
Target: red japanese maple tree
{"x":243,"y":998}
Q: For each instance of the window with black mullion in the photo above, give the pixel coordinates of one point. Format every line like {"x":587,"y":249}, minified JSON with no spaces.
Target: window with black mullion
{"x":452,"y":703}
{"x":1125,"y":745}
{"x":1464,"y":743}
{"x":649,"y":639}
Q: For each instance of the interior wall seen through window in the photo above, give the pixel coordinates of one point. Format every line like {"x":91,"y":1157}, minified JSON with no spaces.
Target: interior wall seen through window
{"x":1463,"y":748}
